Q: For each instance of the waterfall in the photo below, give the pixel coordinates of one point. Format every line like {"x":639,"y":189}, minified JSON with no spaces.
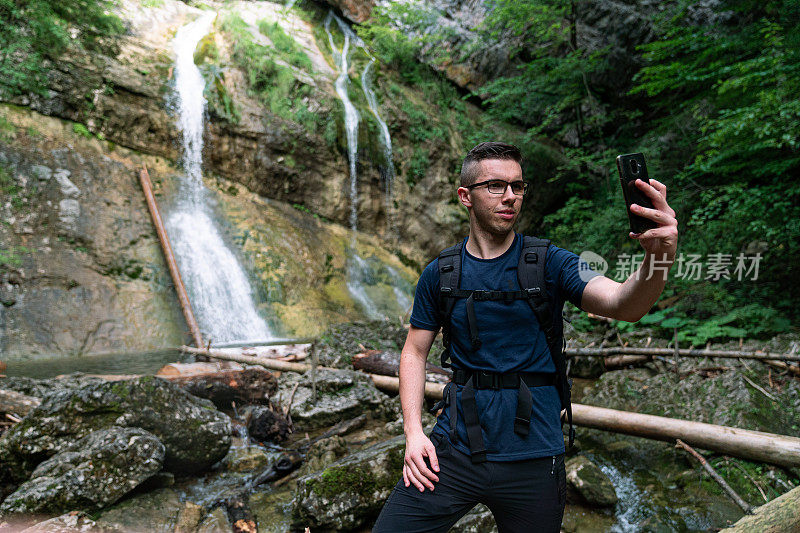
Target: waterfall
{"x":220,"y":293}
{"x":386,"y":141}
{"x":360,"y":275}
{"x":351,"y":116}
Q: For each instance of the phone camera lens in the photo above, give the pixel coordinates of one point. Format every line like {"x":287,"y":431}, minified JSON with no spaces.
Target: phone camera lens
{"x":635,"y":167}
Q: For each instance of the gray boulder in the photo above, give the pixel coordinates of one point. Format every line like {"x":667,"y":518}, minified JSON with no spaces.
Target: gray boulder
{"x":341,"y":395}
{"x":587,"y":480}
{"x":350,"y":492}
{"x":195,"y":435}
{"x":92,"y":473}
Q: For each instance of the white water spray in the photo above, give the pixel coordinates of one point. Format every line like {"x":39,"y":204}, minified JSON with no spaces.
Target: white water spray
{"x":387,"y":145}
{"x":218,"y":288}
{"x":351,"y":116}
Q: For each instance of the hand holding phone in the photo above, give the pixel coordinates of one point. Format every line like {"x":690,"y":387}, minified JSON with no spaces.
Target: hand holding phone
{"x":632,"y":167}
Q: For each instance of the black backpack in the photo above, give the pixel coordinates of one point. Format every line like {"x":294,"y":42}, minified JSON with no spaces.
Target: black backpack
{"x":531,"y":275}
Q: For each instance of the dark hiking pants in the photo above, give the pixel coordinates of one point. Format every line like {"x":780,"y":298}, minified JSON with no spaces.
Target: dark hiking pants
{"x":524,"y":496}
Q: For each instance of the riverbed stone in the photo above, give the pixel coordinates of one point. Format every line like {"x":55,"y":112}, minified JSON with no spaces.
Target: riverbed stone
{"x":195,"y":435}
{"x":92,"y":473}
{"x":350,"y":492}
{"x":71,"y":522}
{"x":586,"y":479}
{"x":152,"y":512}
{"x":341,"y":395}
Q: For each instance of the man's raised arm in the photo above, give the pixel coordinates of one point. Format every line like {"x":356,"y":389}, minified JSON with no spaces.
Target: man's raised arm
{"x":633,"y":299}
{"x":412,"y":398}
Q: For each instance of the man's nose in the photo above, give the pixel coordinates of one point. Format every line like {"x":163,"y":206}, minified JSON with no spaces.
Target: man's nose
{"x":508,"y":195}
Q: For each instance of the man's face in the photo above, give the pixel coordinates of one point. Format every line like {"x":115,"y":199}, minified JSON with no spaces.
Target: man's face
{"x":494,"y":213}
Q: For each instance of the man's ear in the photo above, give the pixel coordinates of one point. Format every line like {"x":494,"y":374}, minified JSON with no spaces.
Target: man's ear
{"x":464,"y":196}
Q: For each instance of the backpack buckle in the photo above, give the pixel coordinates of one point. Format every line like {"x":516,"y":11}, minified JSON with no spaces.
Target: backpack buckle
{"x":533,"y":292}
{"x":446,"y":291}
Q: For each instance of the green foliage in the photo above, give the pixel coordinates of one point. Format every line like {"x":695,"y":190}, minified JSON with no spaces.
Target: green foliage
{"x":11,"y":192}
{"x":285,"y":45}
{"x":549,"y":89}
{"x":7,"y":129}
{"x":274,"y":85}
{"x":11,"y":257}
{"x":81,"y":130}
{"x":35,"y":30}
{"x":418,"y":166}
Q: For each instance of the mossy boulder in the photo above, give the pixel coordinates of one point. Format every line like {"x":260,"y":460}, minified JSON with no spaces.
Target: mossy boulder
{"x":585,"y":479}
{"x":195,"y":435}
{"x":340,"y":395}
{"x":350,"y":492}
{"x":92,"y":473}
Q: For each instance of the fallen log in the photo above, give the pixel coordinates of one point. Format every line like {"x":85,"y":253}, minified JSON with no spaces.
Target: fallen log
{"x":758,"y":446}
{"x":299,"y":351}
{"x":387,"y":363}
{"x":342,"y":428}
{"x":781,"y":515}
{"x":17,"y":403}
{"x":622,"y":361}
{"x":683,"y":352}
{"x":272,"y":364}
{"x":225,"y":387}
{"x":746,"y":507}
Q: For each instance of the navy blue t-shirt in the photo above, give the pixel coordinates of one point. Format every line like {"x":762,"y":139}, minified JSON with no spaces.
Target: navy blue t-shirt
{"x":511,"y":341}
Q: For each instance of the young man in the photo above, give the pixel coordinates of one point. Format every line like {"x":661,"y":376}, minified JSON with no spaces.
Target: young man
{"x":512,"y":464}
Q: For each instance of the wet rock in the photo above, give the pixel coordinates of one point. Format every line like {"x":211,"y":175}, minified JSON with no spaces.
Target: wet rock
{"x":589,"y":482}
{"x":272,"y":510}
{"x":341,"y":395}
{"x":324,"y":452}
{"x":216,"y":522}
{"x":248,"y":458}
{"x":189,"y":518}
{"x":153,"y":512}
{"x":195,"y":435}
{"x":478,"y":520}
{"x":67,"y":523}
{"x":92,"y":473}
{"x":350,"y":492}
{"x":265,"y":425}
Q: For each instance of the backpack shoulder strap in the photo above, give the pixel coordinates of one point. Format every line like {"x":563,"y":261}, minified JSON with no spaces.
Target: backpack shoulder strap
{"x":531,"y":274}
{"x":449,"y":278}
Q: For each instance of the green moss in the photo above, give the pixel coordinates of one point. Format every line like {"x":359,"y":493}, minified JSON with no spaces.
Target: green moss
{"x":207,"y":50}
{"x":81,"y":130}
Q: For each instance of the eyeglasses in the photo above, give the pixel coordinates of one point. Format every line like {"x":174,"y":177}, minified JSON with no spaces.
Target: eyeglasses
{"x":499,"y":186}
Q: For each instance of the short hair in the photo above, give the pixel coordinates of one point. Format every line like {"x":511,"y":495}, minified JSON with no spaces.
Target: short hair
{"x":470,"y":168}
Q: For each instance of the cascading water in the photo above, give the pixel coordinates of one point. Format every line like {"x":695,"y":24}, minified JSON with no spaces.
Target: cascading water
{"x":386,"y":141}
{"x":351,"y":116}
{"x":360,"y":276}
{"x":218,"y":288}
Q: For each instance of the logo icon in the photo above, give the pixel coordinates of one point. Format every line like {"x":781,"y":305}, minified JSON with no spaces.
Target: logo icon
{"x":591,"y":262}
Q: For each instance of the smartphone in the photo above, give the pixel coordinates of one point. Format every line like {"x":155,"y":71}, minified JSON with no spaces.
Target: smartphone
{"x":632,"y":167}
